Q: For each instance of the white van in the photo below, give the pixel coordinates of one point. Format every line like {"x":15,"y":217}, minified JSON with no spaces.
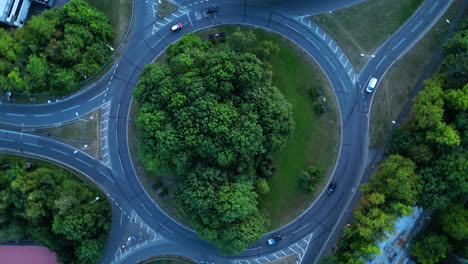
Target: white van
{"x":371,"y":85}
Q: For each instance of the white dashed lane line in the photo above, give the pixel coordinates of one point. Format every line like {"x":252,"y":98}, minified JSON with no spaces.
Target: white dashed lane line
{"x":68,"y":109}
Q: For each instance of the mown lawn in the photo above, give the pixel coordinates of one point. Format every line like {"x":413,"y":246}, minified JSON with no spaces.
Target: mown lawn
{"x":315,"y":140}
{"x":362,"y":28}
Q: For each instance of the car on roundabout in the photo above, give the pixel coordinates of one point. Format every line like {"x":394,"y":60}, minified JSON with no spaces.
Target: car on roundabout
{"x":176,"y":27}
{"x":212,"y":10}
{"x":371,"y":85}
{"x":331,"y":188}
{"x":275,"y":239}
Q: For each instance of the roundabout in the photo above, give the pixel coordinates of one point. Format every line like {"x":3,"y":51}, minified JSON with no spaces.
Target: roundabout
{"x":310,"y":233}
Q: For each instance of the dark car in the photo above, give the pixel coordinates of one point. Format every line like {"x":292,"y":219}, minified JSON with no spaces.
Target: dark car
{"x":275,"y":239}
{"x":212,"y":10}
{"x":332,"y":188}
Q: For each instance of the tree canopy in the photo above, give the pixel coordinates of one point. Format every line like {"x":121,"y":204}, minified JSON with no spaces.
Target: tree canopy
{"x":51,"y":206}
{"x":55,"y":50}
{"x":211,"y":116}
{"x":431,"y":248}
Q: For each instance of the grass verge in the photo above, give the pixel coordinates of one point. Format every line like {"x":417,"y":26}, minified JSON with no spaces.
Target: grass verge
{"x":81,"y":132}
{"x":362,"y":28}
{"x":396,"y":87}
{"x":315,"y":139}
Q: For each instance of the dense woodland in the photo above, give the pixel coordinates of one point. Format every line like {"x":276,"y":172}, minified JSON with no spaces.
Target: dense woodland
{"x":54,"y":51}
{"x":43,"y":203}
{"x":427,"y":167}
{"x":211,"y":117}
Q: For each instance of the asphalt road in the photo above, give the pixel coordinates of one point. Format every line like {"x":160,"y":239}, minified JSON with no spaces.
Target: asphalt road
{"x":308,"y":234}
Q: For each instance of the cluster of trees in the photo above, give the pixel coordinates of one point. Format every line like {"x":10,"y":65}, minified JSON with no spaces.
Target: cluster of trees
{"x":211,"y":117}
{"x":391,"y":193}
{"x":448,"y":233}
{"x":428,"y":167}
{"x":54,"y":51}
{"x":49,"y":205}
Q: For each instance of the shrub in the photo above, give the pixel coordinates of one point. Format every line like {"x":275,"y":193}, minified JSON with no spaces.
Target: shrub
{"x":313,"y":93}
{"x":310,"y":178}
{"x":262,"y":186}
{"x":319,"y":109}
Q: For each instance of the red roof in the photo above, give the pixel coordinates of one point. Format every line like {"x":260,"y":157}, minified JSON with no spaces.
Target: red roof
{"x":26,"y":255}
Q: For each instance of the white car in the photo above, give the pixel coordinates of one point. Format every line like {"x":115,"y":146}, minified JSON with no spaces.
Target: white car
{"x":176,"y":27}
{"x":371,"y":85}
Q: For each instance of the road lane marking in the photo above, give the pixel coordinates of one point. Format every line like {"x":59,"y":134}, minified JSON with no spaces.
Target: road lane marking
{"x":84,"y":162}
{"x":108,"y":179}
{"x":342,"y":83}
{"x":399,"y":43}
{"x":59,"y":151}
{"x":420,"y":22}
{"x":330,"y":63}
{"x":432,"y":9}
{"x":11,"y":114}
{"x":300,"y":229}
{"x":380,"y":62}
{"x":146,"y":209}
{"x":32,"y":144}
{"x":189,"y":18}
{"x":167,"y":228}
{"x":42,"y":115}
{"x":312,"y":43}
{"x":96,"y":96}
{"x":68,"y":109}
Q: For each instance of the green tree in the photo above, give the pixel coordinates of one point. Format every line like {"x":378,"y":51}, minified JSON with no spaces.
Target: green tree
{"x":431,"y":248}
{"x":212,"y":117}
{"x":445,"y":180}
{"x":428,"y":107}
{"x":457,"y":99}
{"x":454,"y":221}
{"x":330,"y":259}
{"x":397,"y":180}
{"x":89,"y":251}
{"x":444,"y":134}
{"x":38,"y":72}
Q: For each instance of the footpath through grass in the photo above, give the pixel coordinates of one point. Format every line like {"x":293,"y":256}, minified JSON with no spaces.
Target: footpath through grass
{"x":362,"y":28}
{"x":396,"y":87}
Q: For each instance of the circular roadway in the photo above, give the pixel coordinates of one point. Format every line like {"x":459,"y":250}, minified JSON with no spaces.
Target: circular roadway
{"x":148,"y":39}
